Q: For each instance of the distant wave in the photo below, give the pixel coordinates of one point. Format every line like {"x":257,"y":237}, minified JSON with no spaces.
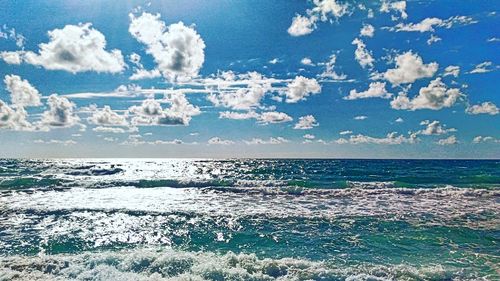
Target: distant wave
{"x":167,"y":264}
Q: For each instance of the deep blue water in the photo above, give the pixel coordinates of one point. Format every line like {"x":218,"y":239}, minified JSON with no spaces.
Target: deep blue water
{"x":249,"y":219}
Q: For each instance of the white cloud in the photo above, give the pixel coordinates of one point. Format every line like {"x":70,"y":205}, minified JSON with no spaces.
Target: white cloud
{"x":493,"y":39}
{"x":483,"y":67}
{"x":239,"y":92}
{"x":274,"y":117}
{"x":12,"y":57}
{"x":11,"y":34}
{"x":390,"y":139}
{"x":367,"y":30}
{"x":361,"y":117}
{"x":309,"y":136}
{"x":480,"y":139}
{"x":435,"y":96}
{"x":451,"y":140}
{"x":140,"y":74}
{"x":434,"y":128}
{"x":362,"y":55}
{"x":483,"y":108}
{"x":76,"y":48}
{"x":306,"y":122}
{"x":322,"y":10}
{"x":300,"y":88}
{"x":277,"y":140}
{"x":345,"y":132}
{"x":238,"y":115}
{"x":59,"y":142}
{"x":409,"y":68}
{"x":22,"y":93}
{"x":329,"y":70}
{"x":428,"y":24}
{"x":13,"y":118}
{"x":452,"y":70}
{"x":150,"y":111}
{"x":398,"y":6}
{"x":375,"y":90}
{"x":217,"y":140}
{"x":107,"y":117}
{"x":114,"y":130}
{"x":177,"y":49}
{"x":274,"y":61}
{"x":302,"y":25}
{"x":306,"y":61}
{"x":399,"y":120}
{"x":433,"y":39}
{"x":60,"y":112}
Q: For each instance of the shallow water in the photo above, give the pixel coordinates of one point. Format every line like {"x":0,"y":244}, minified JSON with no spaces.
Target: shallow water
{"x":249,"y":219}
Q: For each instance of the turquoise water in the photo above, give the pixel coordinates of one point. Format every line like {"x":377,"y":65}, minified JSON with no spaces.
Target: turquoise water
{"x":249,"y":219}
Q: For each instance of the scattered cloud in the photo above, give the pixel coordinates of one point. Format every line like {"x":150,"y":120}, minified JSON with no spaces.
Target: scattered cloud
{"x":367,"y":30}
{"x":428,"y":24}
{"x":361,"y":117}
{"x":409,"y":68}
{"x":375,"y":90}
{"x":274,"y":117}
{"x":434,"y":128}
{"x":435,"y":96}
{"x":397,"y":6}
{"x":22,"y":93}
{"x":483,"y":108}
{"x":306,"y":122}
{"x":219,"y":141}
{"x":451,"y":140}
{"x":74,"y":48}
{"x":272,"y":140}
{"x":306,"y":61}
{"x":485,"y":139}
{"x":178,"y":50}
{"x":483,"y":67}
{"x":452,"y":70}
{"x":362,"y":55}
{"x":60,"y":113}
{"x":300,"y":88}
{"x":390,"y":139}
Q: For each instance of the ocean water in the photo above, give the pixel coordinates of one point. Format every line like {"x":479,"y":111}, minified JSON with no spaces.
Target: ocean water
{"x":246,"y":219}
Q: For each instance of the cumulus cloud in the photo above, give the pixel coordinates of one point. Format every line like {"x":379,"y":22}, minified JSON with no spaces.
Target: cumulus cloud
{"x":74,"y":48}
{"x":300,"y":88}
{"x":178,"y":50}
{"x":390,"y":139}
{"x":274,"y":117}
{"x":435,"y":96}
{"x":362,"y":55}
{"x":302,"y":25}
{"x":13,"y":118}
{"x":22,"y":93}
{"x":239,"y":92}
{"x":397,"y":6}
{"x":12,"y":57}
{"x":323,"y":10}
{"x":306,"y":61}
{"x":452,"y":70}
{"x":309,"y":136}
{"x":306,"y":122}
{"x":451,"y":140}
{"x":409,"y":68}
{"x":375,"y":90}
{"x":481,"y":139}
{"x":361,"y":117}
{"x":367,"y":30}
{"x":348,"y":132}
{"x":434,"y":128}
{"x":399,"y":120}
{"x":217,"y":140}
{"x":272,"y":140}
{"x":60,"y":112}
{"x":11,"y":34}
{"x":150,"y":112}
{"x":483,"y":108}
{"x":107,"y":117}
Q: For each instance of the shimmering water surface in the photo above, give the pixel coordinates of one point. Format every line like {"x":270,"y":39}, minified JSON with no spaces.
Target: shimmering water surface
{"x":249,"y":219}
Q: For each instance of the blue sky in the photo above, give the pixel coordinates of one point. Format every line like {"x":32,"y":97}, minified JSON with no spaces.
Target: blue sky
{"x":374,"y":79}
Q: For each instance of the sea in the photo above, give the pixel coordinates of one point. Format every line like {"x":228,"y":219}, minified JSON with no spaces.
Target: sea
{"x":249,"y":219}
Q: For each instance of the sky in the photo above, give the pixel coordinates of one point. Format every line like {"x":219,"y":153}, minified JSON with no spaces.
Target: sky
{"x":222,"y":78}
